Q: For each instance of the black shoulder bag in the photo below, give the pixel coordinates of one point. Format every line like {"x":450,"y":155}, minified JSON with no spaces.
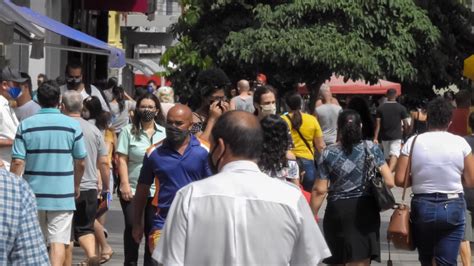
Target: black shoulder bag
{"x":376,"y":184}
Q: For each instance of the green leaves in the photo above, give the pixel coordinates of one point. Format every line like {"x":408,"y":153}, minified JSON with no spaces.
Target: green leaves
{"x":302,"y":40}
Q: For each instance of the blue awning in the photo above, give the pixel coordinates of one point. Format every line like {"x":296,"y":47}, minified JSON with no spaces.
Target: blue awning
{"x":116,"y":55}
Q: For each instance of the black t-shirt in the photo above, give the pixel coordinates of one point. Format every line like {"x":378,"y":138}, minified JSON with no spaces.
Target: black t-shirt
{"x":391,"y":115}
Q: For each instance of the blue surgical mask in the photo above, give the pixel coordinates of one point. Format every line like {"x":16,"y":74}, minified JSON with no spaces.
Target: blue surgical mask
{"x":14,"y":92}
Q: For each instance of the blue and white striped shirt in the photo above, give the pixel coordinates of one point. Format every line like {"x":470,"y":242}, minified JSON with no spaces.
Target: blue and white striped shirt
{"x":49,"y":142}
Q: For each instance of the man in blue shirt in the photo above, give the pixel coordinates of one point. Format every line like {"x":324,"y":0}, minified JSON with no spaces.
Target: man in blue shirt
{"x":49,"y":149}
{"x":177,"y":161}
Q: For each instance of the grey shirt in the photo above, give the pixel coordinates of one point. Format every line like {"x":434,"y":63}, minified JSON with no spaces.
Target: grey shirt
{"x":327,"y":118}
{"x":28,"y":109}
{"x":95,"y":146}
{"x":121,"y":119}
{"x":244,"y":104}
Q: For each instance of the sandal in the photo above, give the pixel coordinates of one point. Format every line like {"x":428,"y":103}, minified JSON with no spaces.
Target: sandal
{"x":105,"y":257}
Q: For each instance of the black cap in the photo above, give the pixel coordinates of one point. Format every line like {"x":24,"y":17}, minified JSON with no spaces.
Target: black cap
{"x":9,"y":74}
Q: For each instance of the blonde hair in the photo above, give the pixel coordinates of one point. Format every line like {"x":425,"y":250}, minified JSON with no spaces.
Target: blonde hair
{"x":165,"y":94}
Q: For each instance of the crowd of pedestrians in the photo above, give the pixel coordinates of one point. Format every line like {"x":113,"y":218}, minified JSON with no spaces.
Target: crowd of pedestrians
{"x":221,"y":180}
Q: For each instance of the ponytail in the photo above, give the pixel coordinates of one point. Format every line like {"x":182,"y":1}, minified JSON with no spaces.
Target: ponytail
{"x":349,"y":130}
{"x":293,"y":101}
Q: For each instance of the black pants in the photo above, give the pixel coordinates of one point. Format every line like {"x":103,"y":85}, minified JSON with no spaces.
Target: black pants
{"x":130,"y":246}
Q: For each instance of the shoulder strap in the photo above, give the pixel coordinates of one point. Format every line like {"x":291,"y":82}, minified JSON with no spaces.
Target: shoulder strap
{"x":301,"y":135}
{"x":408,"y":171}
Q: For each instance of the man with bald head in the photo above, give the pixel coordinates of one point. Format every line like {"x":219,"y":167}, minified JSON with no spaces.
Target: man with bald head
{"x":173,"y":163}
{"x":244,"y":101}
{"x":239,"y":216}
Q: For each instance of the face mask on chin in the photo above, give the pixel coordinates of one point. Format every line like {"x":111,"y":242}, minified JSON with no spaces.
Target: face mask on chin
{"x":175,"y":136}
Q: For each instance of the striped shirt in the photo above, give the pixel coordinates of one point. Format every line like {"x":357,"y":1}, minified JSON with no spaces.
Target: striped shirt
{"x":49,"y":142}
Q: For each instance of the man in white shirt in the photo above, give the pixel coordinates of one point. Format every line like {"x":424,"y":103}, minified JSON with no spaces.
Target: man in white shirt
{"x":239,"y":216}
{"x":74,"y":81}
{"x":10,"y":80}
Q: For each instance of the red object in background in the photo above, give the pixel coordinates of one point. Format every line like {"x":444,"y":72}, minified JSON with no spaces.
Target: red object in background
{"x":118,"y":5}
{"x":338,"y":86}
{"x":142,"y":80}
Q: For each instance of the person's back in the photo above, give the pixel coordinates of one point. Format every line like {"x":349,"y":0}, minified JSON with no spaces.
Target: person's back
{"x":21,"y":241}
{"x":244,"y":103}
{"x":327,"y":118}
{"x":391,"y":113}
{"x":309,"y":129}
{"x":95,"y":147}
{"x":47,"y":142}
{"x":236,"y":205}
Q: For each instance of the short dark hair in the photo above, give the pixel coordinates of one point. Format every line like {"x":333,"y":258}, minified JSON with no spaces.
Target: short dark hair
{"x":242,"y":132}
{"x":49,"y":94}
{"x":391,"y":93}
{"x":73,"y":65}
{"x":212,"y":80}
{"x":439,"y":113}
{"x":41,"y":75}
{"x":27,"y":82}
{"x":463,"y":99}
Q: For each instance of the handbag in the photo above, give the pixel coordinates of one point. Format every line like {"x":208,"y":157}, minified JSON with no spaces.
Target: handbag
{"x":399,"y":229}
{"x":376,"y":184}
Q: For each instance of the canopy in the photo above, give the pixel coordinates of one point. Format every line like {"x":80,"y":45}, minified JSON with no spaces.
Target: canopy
{"x":23,"y":15}
{"x":338,"y":86}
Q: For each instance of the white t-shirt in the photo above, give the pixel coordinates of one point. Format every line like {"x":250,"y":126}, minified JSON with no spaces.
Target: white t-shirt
{"x":121,"y":119}
{"x":8,"y":125}
{"x":240,"y":217}
{"x":437,"y":162}
{"x":28,"y":109}
{"x":94,"y":92}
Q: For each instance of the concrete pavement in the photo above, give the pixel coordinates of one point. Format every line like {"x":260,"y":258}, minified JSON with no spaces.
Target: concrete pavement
{"x":115,"y":228}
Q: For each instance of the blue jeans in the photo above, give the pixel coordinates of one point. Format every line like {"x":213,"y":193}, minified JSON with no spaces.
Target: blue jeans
{"x":310,"y":174}
{"x":438,"y":227}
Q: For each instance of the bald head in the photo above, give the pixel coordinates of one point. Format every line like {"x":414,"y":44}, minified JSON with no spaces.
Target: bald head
{"x":241,"y":132}
{"x":180,"y":116}
{"x":243,"y":86}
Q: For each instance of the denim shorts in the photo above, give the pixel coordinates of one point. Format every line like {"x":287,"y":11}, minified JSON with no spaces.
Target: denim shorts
{"x":310,"y":173}
{"x":438,"y":222}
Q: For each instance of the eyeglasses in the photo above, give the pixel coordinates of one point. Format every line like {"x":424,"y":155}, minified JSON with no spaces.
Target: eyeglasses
{"x":217,"y":98}
{"x":149,"y":107}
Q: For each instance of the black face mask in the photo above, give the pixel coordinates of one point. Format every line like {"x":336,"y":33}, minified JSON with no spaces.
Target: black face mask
{"x":175,"y":136}
{"x":73,"y":83}
{"x":214,"y":167}
{"x":147,"y":115}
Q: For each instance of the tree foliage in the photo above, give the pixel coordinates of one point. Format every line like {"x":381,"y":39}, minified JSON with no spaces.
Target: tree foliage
{"x":301,"y":40}
{"x":443,"y":65}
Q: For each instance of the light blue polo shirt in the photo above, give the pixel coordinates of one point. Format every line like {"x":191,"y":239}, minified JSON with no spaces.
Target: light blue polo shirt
{"x":49,"y":142}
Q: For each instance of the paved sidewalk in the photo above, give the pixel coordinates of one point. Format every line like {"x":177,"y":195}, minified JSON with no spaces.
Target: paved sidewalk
{"x":115,"y":227}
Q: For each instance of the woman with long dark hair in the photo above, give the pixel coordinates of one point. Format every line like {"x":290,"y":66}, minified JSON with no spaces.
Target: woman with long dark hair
{"x":352,"y":219}
{"x":276,"y":160}
{"x":145,"y":130}
{"x":121,"y":105}
{"x":307,"y":137}
{"x":92,"y":111}
{"x":212,"y":84}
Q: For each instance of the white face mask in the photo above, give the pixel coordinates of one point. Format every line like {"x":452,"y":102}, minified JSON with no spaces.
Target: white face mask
{"x":268,"y":109}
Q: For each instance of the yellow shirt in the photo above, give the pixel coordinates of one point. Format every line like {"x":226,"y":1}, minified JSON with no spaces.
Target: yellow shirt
{"x":309,"y":129}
